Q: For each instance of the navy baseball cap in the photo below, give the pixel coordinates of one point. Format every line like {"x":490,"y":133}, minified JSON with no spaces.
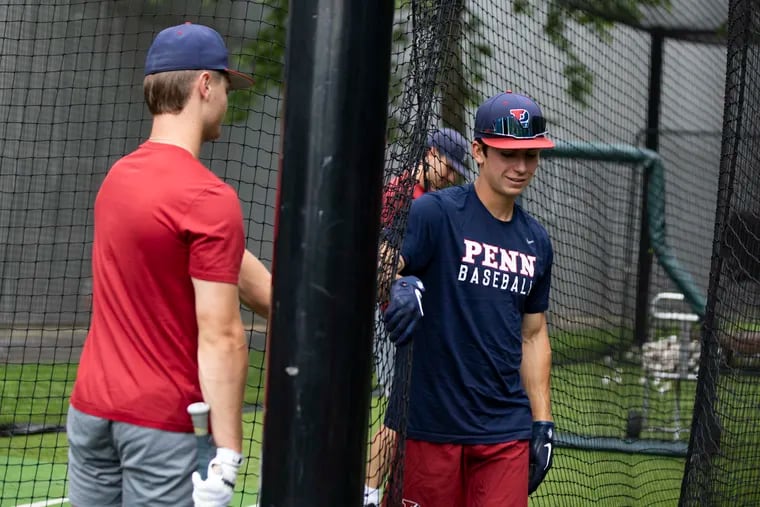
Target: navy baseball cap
{"x":192,"y":47}
{"x":452,"y":145}
{"x":511,"y":121}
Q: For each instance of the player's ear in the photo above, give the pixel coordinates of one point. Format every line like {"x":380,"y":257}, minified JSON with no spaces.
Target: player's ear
{"x":204,"y":82}
{"x":478,"y":154}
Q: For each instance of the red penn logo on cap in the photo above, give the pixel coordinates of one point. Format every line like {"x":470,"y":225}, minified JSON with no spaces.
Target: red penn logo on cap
{"x":521,"y":115}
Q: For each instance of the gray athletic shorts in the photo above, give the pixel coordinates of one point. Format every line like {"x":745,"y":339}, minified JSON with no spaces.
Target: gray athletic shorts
{"x":385,"y":354}
{"x":114,"y":464}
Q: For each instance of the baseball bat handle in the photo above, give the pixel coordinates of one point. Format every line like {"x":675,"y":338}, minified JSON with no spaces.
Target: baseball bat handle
{"x":199,"y":413}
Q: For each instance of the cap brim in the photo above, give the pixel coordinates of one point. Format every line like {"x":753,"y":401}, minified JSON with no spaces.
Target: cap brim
{"x":238,"y":80}
{"x":458,"y":166}
{"x":509,"y":143}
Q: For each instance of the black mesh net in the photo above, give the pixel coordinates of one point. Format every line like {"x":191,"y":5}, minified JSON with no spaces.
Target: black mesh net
{"x":624,"y":388}
{"x":721,"y":466}
{"x":622,"y":395}
{"x":71,"y":85}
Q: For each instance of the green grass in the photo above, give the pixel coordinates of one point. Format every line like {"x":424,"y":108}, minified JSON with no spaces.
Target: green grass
{"x":254,"y":392}
{"x":35,"y":393}
{"x":590,"y":398}
{"x":581,"y":477}
{"x":584,"y":344}
{"x":33,"y":467}
{"x":39,"y":393}
{"x":605,"y":479}
{"x":247,"y":492}
{"x":595,"y":399}
{"x":24,"y":480}
{"x":746,"y":326}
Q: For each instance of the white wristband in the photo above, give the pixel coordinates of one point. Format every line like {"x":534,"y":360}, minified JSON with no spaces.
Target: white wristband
{"x":228,"y":456}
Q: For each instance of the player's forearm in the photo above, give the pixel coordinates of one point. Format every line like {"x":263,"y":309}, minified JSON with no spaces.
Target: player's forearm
{"x":535,"y":372}
{"x":255,"y":285}
{"x":222,"y":370}
{"x":387,"y":273}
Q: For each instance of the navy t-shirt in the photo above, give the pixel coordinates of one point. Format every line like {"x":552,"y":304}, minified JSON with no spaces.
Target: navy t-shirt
{"x":481,"y":275}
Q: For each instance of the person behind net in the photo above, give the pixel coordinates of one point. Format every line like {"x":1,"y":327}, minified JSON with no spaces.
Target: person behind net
{"x":479,"y":426}
{"x":169,"y":272}
{"x":444,"y":164}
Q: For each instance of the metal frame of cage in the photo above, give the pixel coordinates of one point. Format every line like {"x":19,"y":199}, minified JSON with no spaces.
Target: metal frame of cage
{"x":664,"y":366}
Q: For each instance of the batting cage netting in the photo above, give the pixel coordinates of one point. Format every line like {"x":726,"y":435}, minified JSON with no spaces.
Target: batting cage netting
{"x":722,"y":462}
{"x":653,"y":318}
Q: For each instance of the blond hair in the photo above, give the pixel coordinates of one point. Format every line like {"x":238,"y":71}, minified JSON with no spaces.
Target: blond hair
{"x":168,"y":92}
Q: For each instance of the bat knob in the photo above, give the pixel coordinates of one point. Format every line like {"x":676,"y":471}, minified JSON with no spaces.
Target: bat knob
{"x":198,"y":408}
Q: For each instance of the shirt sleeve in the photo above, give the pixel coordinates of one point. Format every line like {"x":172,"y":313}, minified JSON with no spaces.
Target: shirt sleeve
{"x":422,"y":232}
{"x":214,"y":229}
{"x":392,"y":196}
{"x":538,"y":299}
{"x":396,"y":196}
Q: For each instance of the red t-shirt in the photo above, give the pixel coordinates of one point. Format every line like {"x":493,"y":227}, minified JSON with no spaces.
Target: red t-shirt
{"x":395,"y":196}
{"x":161,"y":217}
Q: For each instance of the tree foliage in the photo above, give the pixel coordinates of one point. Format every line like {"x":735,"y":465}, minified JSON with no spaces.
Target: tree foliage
{"x":266,"y":53}
{"x":598,"y":16}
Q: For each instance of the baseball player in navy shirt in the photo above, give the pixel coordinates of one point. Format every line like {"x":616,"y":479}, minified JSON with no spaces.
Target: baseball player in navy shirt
{"x":476,"y":275}
{"x":445,"y":163}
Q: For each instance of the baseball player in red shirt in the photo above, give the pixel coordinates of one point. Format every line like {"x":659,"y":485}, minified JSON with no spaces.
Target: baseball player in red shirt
{"x":169,"y":271}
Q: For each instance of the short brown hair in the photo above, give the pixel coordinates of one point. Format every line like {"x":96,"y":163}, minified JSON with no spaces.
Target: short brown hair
{"x":168,"y":92}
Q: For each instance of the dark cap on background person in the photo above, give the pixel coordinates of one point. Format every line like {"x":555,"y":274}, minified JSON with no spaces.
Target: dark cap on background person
{"x":192,"y":47}
{"x":452,"y":145}
{"x":511,"y":121}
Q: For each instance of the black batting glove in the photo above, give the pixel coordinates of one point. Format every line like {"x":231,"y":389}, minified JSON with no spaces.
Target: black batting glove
{"x":404,"y":309}
{"x":541,"y":453}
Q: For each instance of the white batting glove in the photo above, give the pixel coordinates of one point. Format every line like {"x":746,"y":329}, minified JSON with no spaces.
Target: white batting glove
{"x":217,"y":489}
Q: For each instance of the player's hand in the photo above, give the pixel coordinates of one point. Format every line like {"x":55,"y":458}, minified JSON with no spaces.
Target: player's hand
{"x":217,"y":489}
{"x":541,"y":453}
{"x":404,"y":309}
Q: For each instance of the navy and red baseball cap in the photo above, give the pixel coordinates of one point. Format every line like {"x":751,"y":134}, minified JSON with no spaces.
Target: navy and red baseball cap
{"x":452,"y":145}
{"x":192,"y":47}
{"x":510,"y":121}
